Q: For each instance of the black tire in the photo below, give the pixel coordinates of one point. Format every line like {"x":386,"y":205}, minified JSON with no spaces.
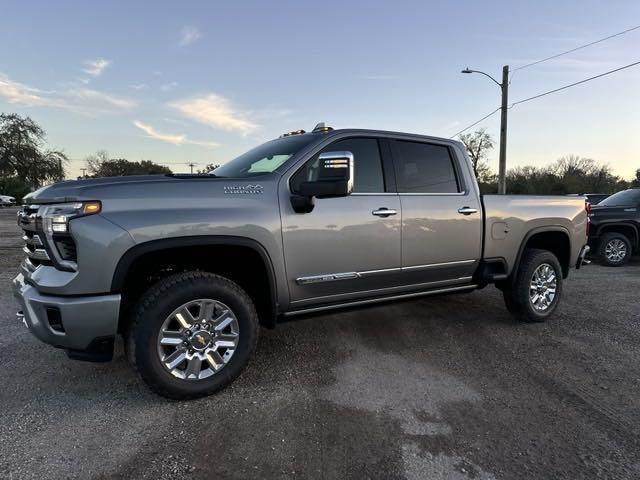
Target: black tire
{"x":516,"y":296}
{"x":602,"y":249}
{"x":159,"y":302}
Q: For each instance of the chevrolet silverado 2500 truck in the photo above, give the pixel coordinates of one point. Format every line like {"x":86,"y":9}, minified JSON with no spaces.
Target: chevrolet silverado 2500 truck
{"x":186,"y":267}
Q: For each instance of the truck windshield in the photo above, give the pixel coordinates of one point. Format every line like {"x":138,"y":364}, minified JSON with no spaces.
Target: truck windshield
{"x":624,"y":198}
{"x":264,"y":158}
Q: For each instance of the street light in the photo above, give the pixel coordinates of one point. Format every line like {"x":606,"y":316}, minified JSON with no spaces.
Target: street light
{"x":504,"y":88}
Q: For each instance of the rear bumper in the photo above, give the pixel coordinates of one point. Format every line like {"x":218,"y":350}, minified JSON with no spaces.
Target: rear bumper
{"x":583,"y":253}
{"x":84,"y":325}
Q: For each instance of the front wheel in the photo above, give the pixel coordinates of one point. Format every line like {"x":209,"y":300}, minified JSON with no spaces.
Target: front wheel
{"x":193,"y":333}
{"x":535,"y":293}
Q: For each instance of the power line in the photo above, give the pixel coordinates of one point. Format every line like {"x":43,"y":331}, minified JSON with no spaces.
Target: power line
{"x":574,"y":84}
{"x":475,"y":123}
{"x":576,"y":49}
{"x":548,"y":93}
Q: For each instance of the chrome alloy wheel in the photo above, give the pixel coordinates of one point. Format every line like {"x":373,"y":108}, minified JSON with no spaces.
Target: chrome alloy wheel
{"x":615,"y":250}
{"x":542,"y":289}
{"x":198,"y":339}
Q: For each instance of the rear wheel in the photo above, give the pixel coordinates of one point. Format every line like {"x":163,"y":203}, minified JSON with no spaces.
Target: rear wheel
{"x":192,"y":334}
{"x":615,"y":249}
{"x":537,"y":288}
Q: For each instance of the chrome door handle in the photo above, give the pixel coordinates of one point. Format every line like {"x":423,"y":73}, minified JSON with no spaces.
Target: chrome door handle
{"x":467,"y":210}
{"x":383,"y":212}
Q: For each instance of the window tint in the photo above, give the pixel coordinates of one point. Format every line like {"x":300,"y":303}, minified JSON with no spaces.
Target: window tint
{"x":624,"y":198}
{"x":368,"y":165}
{"x":423,"y":168}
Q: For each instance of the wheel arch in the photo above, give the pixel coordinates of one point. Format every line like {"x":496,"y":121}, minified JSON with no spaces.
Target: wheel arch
{"x":627,"y":229}
{"x":181,"y":248}
{"x":554,"y":238}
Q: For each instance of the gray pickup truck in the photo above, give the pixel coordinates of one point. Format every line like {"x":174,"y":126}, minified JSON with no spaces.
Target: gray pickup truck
{"x":187,"y":267}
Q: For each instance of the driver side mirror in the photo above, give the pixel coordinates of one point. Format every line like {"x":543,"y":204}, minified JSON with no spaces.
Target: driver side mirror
{"x":335,"y":179}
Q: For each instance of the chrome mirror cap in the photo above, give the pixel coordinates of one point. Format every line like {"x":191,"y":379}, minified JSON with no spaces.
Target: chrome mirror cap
{"x":339,"y":160}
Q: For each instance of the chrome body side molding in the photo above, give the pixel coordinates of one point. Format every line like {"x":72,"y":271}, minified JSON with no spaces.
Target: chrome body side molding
{"x":369,"y":301}
{"x":332,"y":277}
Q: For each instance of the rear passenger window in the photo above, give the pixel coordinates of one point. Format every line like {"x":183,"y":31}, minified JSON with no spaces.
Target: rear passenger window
{"x":424,"y":168}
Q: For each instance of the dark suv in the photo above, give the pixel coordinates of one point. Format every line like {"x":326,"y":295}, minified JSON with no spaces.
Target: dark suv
{"x":615,"y":226}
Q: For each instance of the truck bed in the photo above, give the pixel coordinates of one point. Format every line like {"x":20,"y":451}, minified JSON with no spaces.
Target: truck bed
{"x":510,"y":219}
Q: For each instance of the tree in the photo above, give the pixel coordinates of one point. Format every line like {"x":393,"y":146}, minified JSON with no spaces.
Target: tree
{"x":208,"y":167}
{"x":100,"y":165}
{"x":569,"y":174}
{"x":23,"y":155}
{"x":478,"y":145}
{"x":636,"y":181}
{"x":94,"y":162}
{"x":14,"y":187}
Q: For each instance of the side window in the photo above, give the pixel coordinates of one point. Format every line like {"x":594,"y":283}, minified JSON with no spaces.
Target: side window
{"x":424,"y":168}
{"x":368,"y":165}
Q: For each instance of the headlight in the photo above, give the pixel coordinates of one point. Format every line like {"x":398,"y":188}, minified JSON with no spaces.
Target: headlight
{"x":56,"y":217}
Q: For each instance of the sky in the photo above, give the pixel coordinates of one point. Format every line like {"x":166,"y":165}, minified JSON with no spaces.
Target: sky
{"x":203,"y":81}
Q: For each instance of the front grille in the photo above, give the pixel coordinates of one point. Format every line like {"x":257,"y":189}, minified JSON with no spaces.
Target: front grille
{"x":41,"y":250}
{"x":27,"y":217}
{"x":34,"y":247}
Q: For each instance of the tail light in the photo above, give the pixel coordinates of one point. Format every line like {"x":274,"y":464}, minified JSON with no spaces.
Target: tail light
{"x":587,"y":207}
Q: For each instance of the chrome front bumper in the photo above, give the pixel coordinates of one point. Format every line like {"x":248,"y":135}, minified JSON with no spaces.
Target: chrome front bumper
{"x":85,"y":322}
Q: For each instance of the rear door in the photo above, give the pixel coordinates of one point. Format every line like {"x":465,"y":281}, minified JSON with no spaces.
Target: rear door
{"x":442,"y":221}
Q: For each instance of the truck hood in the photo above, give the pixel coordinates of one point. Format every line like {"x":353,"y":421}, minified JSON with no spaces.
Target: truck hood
{"x":97,"y":188}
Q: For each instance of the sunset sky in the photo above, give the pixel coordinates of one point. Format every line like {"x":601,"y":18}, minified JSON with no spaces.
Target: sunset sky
{"x":179,"y":82}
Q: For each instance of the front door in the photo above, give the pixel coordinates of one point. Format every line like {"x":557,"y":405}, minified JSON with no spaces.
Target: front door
{"x":348,"y":247}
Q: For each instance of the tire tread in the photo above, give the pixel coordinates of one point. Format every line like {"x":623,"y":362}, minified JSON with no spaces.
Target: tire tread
{"x":161,"y":289}
{"x":603,"y":242}
{"x":516,"y":297}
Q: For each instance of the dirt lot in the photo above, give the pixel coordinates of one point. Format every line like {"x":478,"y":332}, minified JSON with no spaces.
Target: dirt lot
{"x":445,"y":387}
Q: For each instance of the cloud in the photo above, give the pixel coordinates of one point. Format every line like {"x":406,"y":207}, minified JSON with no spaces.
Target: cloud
{"x":20,"y":94}
{"x":173,"y":138}
{"x":138,"y":86}
{"x":107,"y":99}
{"x":168,"y":86}
{"x":216,"y":111}
{"x":79,"y":100}
{"x":96,"y":67}
{"x":188,"y":35}
{"x":177,"y":139}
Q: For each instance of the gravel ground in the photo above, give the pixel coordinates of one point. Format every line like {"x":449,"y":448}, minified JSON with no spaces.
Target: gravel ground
{"x":440,"y":388}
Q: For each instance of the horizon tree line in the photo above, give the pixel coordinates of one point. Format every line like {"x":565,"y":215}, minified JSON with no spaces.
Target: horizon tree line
{"x":26,"y":163}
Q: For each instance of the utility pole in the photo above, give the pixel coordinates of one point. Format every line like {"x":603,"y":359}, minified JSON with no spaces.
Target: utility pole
{"x":192,"y":165}
{"x":504,"y":106}
{"x":502,"y":165}
{"x":84,"y":172}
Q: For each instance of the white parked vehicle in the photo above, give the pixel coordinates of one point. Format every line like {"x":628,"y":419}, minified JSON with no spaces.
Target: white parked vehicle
{"x":7,"y":201}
